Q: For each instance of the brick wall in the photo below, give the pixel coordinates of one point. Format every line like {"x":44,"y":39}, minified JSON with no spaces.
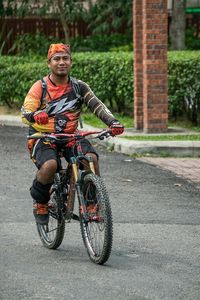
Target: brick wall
{"x":150,"y":65}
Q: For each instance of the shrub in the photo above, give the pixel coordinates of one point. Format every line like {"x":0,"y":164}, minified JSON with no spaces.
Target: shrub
{"x":101,"y":43}
{"x":110,"y":75}
{"x":192,"y":40}
{"x":37,"y":44}
{"x":184,"y":85}
{"x":32,"y":44}
{"x":16,"y":79}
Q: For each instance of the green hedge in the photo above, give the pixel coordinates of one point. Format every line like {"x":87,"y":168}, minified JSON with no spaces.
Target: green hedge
{"x":184,"y":85}
{"x":110,"y":75}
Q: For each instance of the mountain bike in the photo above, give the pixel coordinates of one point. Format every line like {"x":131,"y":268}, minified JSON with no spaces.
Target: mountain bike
{"x":76,"y":181}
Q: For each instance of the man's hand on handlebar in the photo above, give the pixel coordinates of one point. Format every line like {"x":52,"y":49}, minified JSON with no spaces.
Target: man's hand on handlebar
{"x":41,"y":117}
{"x":116,"y":128}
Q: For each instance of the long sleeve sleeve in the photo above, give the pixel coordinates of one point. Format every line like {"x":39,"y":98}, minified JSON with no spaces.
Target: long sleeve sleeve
{"x":31,"y":103}
{"x":95,"y":105}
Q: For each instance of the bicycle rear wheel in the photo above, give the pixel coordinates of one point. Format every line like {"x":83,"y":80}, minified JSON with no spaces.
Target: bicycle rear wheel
{"x":97,"y":231}
{"x":52,"y":234}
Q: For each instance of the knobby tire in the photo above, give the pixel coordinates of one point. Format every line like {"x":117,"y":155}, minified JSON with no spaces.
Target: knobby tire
{"x":97,"y":235}
{"x":53,"y":234}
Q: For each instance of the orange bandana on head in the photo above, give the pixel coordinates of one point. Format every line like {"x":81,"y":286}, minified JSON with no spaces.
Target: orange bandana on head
{"x":55,"y":48}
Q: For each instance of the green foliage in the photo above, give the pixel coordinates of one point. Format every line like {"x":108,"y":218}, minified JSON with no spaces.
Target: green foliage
{"x":72,"y":8}
{"x":37,"y":44}
{"x":16,"y":77}
{"x":14,"y":8}
{"x":184,"y":85}
{"x":3,"y":40}
{"x":109,"y":16}
{"x":92,"y":120}
{"x":192,"y":40}
{"x":124,"y":48}
{"x":33,"y":44}
{"x":110,"y":76}
{"x":174,"y":137}
{"x":67,"y":11}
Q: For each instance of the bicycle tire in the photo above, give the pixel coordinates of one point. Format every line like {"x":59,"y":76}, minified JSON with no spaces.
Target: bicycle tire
{"x":97,"y":233}
{"x":52,"y":234}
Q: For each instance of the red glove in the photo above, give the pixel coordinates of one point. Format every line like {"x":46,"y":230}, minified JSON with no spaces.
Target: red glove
{"x":41,"y":117}
{"x":116,"y":128}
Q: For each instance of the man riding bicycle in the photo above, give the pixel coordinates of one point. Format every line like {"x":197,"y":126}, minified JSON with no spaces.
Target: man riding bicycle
{"x":53,"y":105}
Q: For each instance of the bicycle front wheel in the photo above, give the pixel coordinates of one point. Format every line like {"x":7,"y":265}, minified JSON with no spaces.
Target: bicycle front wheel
{"x":52,"y":234}
{"x":97,"y":230}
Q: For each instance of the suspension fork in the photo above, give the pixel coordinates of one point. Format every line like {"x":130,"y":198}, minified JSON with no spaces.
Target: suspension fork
{"x":91,"y":164}
{"x":72,"y":185}
{"x":75,"y":185}
{"x":77,"y":177}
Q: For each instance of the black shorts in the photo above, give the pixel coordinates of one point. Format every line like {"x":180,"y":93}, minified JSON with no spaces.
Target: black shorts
{"x":44,"y":152}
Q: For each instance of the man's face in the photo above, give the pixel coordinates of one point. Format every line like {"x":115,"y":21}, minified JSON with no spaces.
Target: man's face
{"x":60,"y":64}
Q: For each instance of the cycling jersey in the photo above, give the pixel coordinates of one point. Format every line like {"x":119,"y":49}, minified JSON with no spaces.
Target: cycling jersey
{"x":62,"y":105}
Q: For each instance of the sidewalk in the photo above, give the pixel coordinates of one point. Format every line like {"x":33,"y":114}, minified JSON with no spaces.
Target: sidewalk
{"x":188,"y":168}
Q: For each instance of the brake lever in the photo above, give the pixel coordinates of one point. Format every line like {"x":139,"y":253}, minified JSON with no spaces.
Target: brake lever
{"x":103,"y":135}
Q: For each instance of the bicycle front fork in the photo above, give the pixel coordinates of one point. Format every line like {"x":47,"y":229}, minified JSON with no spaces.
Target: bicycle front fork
{"x":77,"y":176}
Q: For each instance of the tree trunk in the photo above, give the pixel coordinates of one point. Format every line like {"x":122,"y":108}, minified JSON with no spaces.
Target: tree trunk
{"x":178,"y":24}
{"x":63,"y":20}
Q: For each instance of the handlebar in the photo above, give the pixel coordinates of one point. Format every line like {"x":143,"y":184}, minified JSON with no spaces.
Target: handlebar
{"x":66,"y":137}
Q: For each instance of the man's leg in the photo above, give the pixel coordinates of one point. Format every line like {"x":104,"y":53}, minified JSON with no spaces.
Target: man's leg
{"x":46,"y":173}
{"x":46,"y":161}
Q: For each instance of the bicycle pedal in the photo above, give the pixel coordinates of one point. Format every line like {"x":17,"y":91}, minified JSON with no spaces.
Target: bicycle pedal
{"x":75,"y":217}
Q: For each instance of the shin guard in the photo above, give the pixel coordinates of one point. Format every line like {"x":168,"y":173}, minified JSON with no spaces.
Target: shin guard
{"x":40,"y":192}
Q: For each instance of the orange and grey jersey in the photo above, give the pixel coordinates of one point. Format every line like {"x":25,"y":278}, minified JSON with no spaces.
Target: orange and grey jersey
{"x":62,"y":105}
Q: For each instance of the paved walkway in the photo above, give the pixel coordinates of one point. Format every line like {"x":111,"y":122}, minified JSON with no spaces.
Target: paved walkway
{"x":188,"y":168}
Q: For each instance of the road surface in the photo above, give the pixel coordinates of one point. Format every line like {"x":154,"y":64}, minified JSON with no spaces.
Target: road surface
{"x":156,"y":249}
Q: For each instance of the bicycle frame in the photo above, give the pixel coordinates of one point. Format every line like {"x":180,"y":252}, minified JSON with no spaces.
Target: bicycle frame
{"x":75,"y":181}
{"x":74,"y":164}
{"x":95,"y":215}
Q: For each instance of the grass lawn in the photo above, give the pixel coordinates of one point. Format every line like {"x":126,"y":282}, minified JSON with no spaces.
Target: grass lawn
{"x":5,"y":110}
{"x":92,"y":120}
{"x":182,"y":137}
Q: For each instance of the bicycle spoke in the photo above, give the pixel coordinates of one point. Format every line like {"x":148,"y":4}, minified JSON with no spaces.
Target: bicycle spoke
{"x":97,"y":232}
{"x":52,"y":234}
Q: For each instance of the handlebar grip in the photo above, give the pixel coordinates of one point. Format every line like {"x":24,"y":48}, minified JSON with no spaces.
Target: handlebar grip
{"x":34,"y":136}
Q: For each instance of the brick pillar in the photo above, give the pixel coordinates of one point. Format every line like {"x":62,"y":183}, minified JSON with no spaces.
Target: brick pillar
{"x":138,"y":62}
{"x":155,"y":41}
{"x":150,"y":19}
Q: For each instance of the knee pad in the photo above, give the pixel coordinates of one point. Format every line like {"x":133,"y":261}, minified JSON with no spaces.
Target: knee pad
{"x":40,"y":192}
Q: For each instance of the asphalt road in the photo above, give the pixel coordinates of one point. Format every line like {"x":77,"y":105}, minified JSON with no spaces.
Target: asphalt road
{"x":156,"y":249}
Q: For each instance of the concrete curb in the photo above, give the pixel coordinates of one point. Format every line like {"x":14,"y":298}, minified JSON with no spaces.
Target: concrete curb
{"x":9,"y":120}
{"x":165,"y":148}
{"x":130,"y":147}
